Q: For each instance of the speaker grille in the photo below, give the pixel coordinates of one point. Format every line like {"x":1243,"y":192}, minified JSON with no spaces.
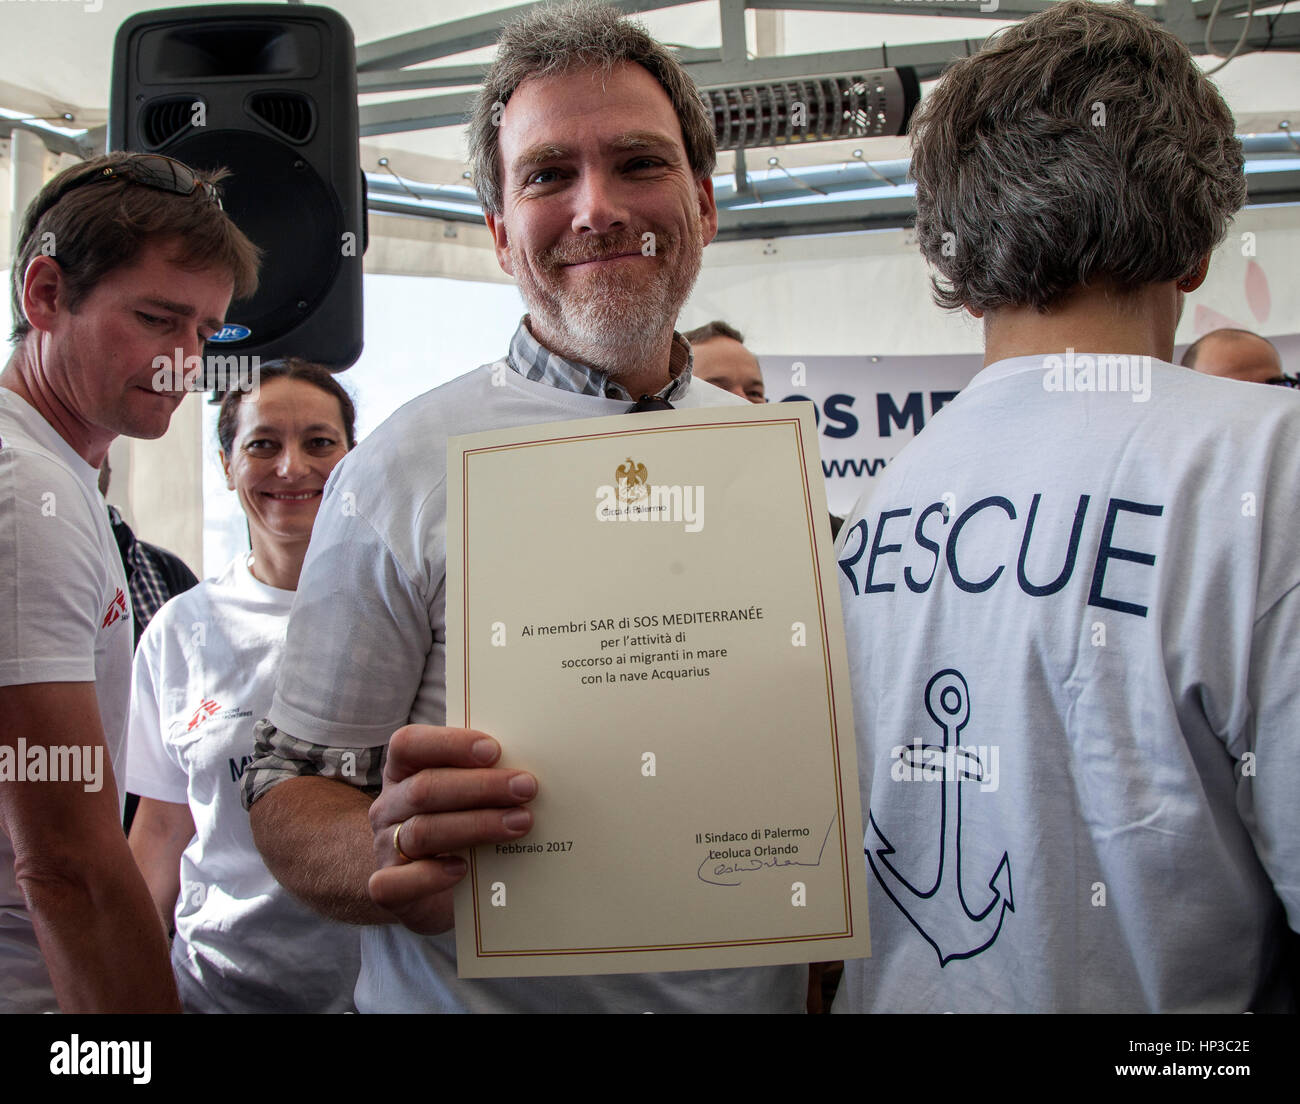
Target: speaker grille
{"x":163,"y":119}
{"x":816,"y":109}
{"x":290,"y":114}
{"x":281,"y":202}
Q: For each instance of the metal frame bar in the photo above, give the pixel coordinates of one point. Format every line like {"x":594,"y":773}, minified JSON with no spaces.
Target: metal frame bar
{"x":1007,"y":10}
{"x":851,"y":216}
{"x":401,"y":80}
{"x":731,"y":16}
{"x":928,"y":58}
{"x":1273,"y":187}
{"x":78,"y":146}
{"x":459,"y":35}
{"x":828,"y":217}
{"x":381,"y":68}
{"x":418,"y":114}
{"x":379,"y":64}
{"x":1188,"y":21}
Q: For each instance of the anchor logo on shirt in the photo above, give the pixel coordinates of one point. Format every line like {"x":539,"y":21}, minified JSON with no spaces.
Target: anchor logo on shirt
{"x":941,"y":913}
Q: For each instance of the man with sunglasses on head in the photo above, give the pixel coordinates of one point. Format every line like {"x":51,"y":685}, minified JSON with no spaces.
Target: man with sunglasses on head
{"x":121,"y":260}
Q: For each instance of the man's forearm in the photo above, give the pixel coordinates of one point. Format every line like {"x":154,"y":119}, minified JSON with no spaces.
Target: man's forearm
{"x":160,"y":833}
{"x":117,"y":963}
{"x":315,"y":837}
{"x":91,"y":911}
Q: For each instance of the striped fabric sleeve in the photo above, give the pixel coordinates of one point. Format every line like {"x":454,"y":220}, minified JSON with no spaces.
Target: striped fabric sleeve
{"x":277,"y":757}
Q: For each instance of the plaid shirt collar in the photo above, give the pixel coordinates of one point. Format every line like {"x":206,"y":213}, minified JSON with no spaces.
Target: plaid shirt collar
{"x":534,"y":361}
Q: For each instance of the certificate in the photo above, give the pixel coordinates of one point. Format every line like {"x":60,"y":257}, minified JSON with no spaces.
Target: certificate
{"x":643,"y":611}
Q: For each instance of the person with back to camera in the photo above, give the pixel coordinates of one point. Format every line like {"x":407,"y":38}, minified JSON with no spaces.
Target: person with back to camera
{"x":204,"y":673}
{"x":1072,"y":603}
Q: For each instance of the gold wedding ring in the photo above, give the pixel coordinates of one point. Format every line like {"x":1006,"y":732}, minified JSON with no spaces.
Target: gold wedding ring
{"x":397,"y":843}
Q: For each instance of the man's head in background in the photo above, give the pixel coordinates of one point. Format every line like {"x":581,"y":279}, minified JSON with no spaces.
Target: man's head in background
{"x":722,"y":359}
{"x":121,"y":259}
{"x":592,"y":154}
{"x":1235,"y":354}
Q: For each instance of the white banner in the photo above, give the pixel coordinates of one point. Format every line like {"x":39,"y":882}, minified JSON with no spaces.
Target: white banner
{"x":867,"y":407}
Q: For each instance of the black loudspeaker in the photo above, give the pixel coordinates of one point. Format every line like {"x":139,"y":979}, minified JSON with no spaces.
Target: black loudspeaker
{"x":268,"y":91}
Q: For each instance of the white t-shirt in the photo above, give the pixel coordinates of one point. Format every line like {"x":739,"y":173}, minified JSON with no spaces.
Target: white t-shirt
{"x":1097,"y":600}
{"x":65,"y":616}
{"x":366,"y":655}
{"x":204,"y":675}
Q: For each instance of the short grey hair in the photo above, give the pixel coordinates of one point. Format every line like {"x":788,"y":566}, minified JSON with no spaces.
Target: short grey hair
{"x":1080,"y":146}
{"x":716,"y":328}
{"x":554,"y":40}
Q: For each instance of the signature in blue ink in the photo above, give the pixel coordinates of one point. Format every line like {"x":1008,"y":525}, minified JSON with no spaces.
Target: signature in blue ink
{"x":735,"y":868}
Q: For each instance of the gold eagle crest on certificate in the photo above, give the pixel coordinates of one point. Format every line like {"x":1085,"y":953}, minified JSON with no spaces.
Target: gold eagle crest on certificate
{"x":631,"y":479}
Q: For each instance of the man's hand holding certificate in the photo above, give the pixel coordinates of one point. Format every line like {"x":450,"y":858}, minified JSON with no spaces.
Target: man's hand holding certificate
{"x":643,"y":612}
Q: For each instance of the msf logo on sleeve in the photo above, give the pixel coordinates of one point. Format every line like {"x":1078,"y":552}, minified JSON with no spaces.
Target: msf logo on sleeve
{"x":116,"y":609}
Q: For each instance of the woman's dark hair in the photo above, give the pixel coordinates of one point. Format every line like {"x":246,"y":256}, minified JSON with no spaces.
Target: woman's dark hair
{"x":286,"y":368}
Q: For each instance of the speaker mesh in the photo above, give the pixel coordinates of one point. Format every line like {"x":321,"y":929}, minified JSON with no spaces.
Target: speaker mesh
{"x":290,"y":114}
{"x":163,"y":119}
{"x":283,"y":205}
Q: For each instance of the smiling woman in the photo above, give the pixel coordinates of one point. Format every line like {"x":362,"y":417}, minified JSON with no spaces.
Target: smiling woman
{"x":278,"y":447}
{"x":205,"y":671}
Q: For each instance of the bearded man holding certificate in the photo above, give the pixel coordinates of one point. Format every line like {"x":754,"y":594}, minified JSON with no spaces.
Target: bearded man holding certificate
{"x":589,"y":139}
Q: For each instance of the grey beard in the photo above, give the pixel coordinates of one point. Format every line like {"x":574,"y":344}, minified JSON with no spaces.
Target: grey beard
{"x":612,"y":328}
{"x":614,"y":331}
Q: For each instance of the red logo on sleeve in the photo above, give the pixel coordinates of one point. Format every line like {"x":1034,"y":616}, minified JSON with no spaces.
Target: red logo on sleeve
{"x":204,"y":711}
{"x":116,"y":609}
